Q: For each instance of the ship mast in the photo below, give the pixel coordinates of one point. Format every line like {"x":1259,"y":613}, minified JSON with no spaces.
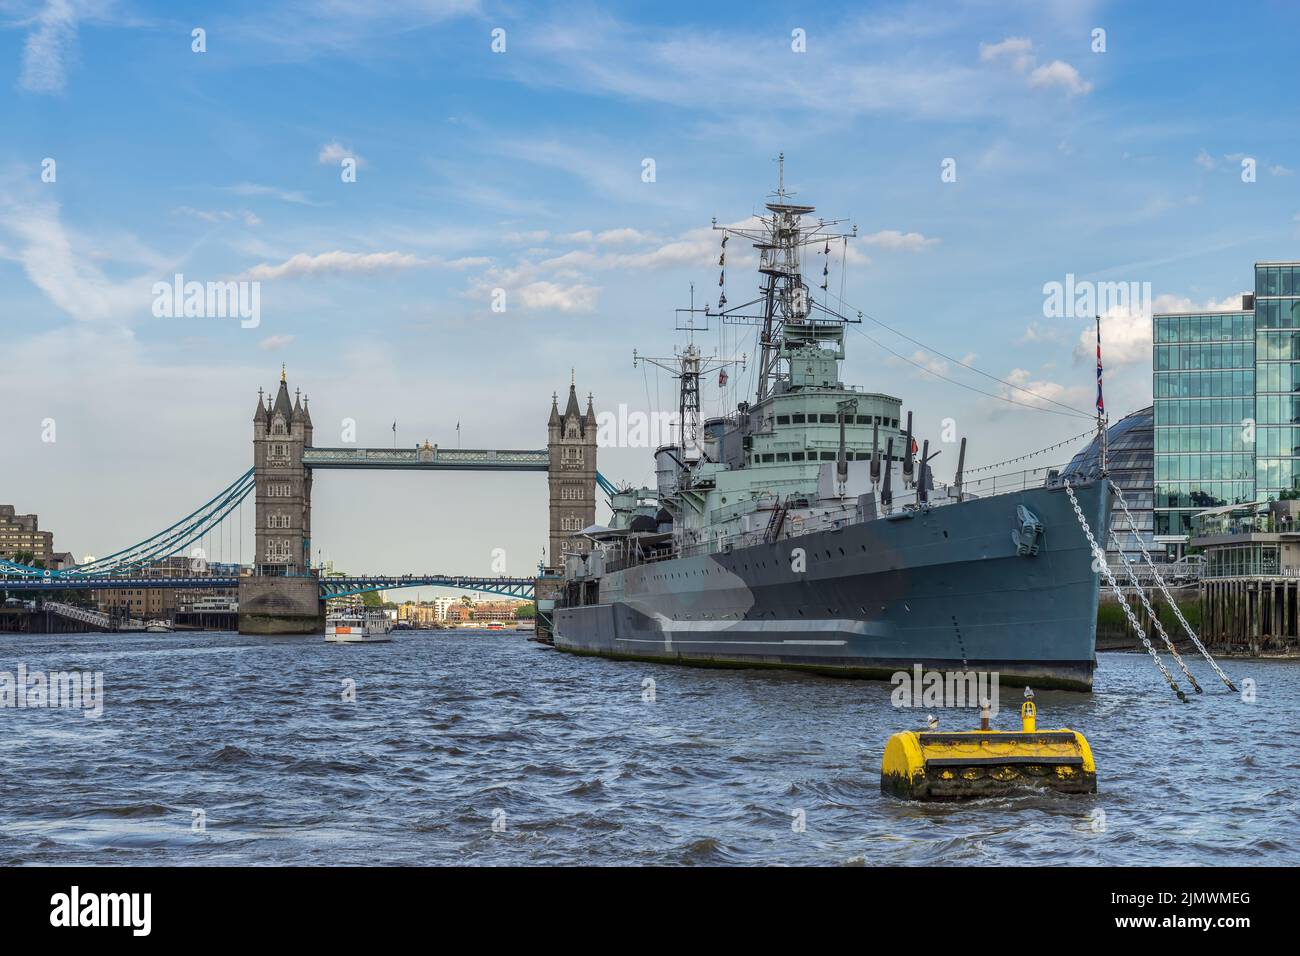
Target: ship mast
{"x":785,"y":309}
{"x":687,"y":365}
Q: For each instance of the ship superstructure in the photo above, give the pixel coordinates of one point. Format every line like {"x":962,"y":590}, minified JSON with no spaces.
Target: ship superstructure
{"x":807,"y":529}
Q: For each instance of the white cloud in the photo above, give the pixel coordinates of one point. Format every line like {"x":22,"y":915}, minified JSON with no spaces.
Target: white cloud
{"x":527,"y":238}
{"x":893,"y":239}
{"x":334,"y":153}
{"x":273,"y":342}
{"x":930,"y":362}
{"x":1019,"y":52}
{"x":1059,"y":73}
{"x":1040,"y":393}
{"x":1204,"y":160}
{"x":548,"y":295}
{"x":334,"y":263}
{"x":1126,"y":333}
{"x":1037,"y":332}
{"x":624,"y":236}
{"x":1280,"y":170}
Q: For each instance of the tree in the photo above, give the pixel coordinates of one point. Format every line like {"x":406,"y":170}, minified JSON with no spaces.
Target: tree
{"x":526,"y":612}
{"x":373,"y":599}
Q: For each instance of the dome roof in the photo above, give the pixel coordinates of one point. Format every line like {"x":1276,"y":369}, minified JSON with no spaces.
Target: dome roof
{"x":1130,"y":448}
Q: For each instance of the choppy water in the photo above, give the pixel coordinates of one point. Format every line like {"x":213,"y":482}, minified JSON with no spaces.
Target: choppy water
{"x":449,"y":729}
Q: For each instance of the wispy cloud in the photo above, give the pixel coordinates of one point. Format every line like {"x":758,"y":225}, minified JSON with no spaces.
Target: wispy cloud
{"x":333,"y":153}
{"x":284,"y":195}
{"x":50,"y":44}
{"x":893,"y":239}
{"x":337,"y":263}
{"x":61,"y":266}
{"x":245,"y":216}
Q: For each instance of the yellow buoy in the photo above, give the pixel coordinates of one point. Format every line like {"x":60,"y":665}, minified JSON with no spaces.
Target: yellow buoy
{"x":959,"y":765}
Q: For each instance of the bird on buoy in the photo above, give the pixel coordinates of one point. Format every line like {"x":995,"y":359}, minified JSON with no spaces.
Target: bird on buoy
{"x":1029,"y":693}
{"x":932,"y":721}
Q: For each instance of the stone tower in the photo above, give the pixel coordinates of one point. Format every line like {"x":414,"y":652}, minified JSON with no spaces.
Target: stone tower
{"x":571,"y":441}
{"x":280,"y":433}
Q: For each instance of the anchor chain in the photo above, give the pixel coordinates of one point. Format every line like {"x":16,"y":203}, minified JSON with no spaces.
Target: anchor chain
{"x":1151,"y":613}
{"x":1100,"y":557}
{"x":1119,"y":495}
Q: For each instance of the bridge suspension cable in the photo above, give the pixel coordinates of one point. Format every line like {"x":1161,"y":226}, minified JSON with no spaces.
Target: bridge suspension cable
{"x":177,"y":536}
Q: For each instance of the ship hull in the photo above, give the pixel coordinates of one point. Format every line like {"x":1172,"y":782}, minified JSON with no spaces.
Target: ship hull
{"x":946,"y":588}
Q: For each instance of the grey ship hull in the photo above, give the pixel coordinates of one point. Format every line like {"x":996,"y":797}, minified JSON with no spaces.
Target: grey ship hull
{"x":944,"y":588}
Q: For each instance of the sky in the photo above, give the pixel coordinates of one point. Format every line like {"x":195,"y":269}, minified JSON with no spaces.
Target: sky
{"x":574,"y":156}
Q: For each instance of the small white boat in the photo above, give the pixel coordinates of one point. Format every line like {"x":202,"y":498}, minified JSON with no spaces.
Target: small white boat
{"x":158,"y":626}
{"x":358,"y":627}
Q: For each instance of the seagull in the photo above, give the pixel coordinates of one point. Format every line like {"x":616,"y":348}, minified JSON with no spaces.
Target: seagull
{"x":1029,"y":693}
{"x":932,"y":721}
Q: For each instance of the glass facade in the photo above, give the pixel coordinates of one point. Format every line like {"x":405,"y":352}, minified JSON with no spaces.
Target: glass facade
{"x":1128,"y":454}
{"x":1226,"y":389}
{"x":1241,"y":560}
{"x":1204,"y":393}
{"x":1277,"y":385}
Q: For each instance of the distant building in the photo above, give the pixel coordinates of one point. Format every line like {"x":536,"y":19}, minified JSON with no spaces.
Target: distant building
{"x":21,"y":535}
{"x":1129,"y":458}
{"x":61,"y":561}
{"x":147,"y":602}
{"x":1227,"y":403}
{"x":502,"y":610}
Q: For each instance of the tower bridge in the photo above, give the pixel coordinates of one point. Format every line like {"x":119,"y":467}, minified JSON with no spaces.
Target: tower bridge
{"x":280,"y":593}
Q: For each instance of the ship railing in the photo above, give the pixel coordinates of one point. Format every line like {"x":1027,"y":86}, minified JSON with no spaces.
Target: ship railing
{"x":1006,"y":482}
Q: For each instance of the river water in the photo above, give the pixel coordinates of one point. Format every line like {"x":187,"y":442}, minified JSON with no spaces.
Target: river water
{"x":220,"y":749}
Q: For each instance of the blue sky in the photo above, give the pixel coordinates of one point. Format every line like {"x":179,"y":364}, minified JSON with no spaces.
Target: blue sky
{"x":522,"y":170}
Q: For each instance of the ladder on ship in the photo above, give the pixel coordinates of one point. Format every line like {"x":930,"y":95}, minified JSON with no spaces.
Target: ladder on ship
{"x":776,"y":522}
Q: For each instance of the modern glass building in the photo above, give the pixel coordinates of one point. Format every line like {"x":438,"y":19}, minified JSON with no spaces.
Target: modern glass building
{"x":1226,"y":389}
{"x":1129,"y":445}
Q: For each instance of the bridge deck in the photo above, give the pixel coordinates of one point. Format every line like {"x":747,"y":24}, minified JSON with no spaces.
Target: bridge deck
{"x":447,"y":459}
{"x":329,"y":587}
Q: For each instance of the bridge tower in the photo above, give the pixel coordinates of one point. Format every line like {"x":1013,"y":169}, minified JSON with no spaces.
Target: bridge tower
{"x":280,"y":433}
{"x":282,"y":595}
{"x":571,"y":442}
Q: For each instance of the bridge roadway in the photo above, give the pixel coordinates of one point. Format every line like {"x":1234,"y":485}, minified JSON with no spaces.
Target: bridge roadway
{"x":427,"y":456}
{"x":329,"y":587}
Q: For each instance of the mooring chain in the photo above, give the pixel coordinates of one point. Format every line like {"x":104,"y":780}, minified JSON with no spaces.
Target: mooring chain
{"x":1141,"y":593}
{"x":1119,"y":495}
{"x":1100,"y":557}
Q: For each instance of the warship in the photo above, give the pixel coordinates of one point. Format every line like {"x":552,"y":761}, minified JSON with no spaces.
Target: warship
{"x":804,"y":531}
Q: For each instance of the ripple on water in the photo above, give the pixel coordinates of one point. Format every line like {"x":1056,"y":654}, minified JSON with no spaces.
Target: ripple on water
{"x":450,"y":735}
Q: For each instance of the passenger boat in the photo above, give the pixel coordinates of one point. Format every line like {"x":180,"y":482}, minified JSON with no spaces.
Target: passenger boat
{"x":358,"y":627}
